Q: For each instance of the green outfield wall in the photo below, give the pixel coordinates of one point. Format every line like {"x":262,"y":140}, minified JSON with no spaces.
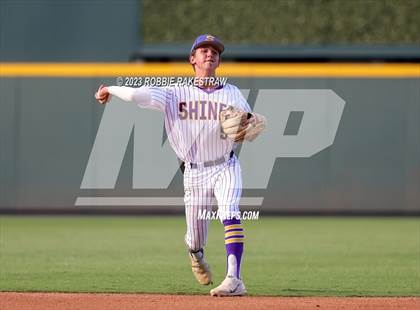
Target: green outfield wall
{"x":54,"y":54}
{"x":49,"y":125}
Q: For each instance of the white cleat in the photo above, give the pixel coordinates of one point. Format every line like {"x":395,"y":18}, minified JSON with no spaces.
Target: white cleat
{"x":201,"y":269}
{"x":230,"y":286}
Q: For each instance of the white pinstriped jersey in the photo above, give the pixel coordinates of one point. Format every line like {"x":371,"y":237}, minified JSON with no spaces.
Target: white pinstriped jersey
{"x":192,"y":119}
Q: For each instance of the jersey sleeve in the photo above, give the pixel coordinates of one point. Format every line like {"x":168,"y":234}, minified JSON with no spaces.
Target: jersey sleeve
{"x":159,"y":97}
{"x":152,"y":98}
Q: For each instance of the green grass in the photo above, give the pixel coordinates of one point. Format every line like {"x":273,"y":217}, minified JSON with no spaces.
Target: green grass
{"x":283,"y":256}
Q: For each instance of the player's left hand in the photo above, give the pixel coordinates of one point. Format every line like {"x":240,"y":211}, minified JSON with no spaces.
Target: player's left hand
{"x":240,"y":125}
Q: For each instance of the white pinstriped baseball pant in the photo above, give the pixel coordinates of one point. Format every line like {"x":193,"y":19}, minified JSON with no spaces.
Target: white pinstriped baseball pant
{"x":203,"y":187}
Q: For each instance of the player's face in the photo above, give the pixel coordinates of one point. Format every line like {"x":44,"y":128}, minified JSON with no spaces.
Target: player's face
{"x":205,"y":58}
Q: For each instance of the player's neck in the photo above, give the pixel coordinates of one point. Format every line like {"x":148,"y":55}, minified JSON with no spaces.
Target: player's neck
{"x":205,"y":74}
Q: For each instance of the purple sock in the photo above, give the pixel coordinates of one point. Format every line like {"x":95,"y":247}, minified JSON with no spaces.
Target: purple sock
{"x":234,"y":241}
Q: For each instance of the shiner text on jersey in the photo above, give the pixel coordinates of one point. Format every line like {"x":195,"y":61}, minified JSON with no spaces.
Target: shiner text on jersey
{"x":200,"y":110}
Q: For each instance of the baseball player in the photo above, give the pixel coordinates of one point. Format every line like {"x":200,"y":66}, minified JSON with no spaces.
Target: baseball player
{"x":204,"y":124}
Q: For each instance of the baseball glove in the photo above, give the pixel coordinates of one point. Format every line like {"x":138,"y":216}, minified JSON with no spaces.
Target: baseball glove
{"x":239,"y":125}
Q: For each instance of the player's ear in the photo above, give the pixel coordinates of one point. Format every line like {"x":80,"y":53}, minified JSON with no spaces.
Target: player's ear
{"x":192,"y":59}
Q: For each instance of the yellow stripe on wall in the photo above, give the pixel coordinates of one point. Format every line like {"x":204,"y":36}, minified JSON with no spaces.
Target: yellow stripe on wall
{"x":301,"y":70}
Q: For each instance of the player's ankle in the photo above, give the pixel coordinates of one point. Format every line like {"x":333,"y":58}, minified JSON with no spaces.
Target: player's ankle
{"x":199,"y":254}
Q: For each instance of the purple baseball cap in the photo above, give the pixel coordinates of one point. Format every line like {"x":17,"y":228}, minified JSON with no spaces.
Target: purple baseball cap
{"x":208,"y":39}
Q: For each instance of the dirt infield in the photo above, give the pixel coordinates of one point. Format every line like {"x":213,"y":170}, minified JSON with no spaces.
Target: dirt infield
{"x":63,"y":301}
